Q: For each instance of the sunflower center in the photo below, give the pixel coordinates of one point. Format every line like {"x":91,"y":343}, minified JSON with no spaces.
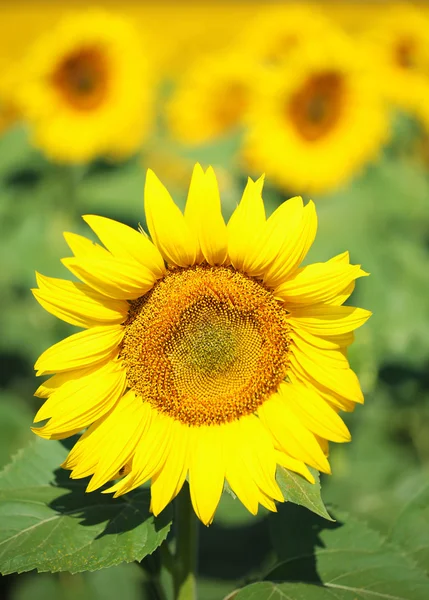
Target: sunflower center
{"x":316,"y":107}
{"x":206,"y":345}
{"x":82,"y":79}
{"x":405,"y":54}
{"x":230,"y":105}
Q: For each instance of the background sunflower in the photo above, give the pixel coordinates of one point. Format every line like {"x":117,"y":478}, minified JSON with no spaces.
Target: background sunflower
{"x":168,"y":109}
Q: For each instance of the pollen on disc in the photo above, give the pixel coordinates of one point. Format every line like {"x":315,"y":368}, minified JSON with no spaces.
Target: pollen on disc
{"x":206,"y":345}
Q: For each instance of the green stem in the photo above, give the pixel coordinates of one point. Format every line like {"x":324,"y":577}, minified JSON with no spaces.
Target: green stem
{"x":185,"y":583}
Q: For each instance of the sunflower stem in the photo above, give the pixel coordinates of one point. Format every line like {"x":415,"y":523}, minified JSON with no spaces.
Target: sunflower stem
{"x":185,"y":582}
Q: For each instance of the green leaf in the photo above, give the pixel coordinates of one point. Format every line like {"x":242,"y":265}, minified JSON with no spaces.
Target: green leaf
{"x":411,"y":530}
{"x":49,"y":523}
{"x":344,"y":561}
{"x":298,"y":490}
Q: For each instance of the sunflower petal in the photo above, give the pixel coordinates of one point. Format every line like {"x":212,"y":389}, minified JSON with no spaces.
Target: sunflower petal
{"x":329,"y":320}
{"x":80,"y":349}
{"x":168,"y":482}
{"x":127,"y":243}
{"x":114,"y":277}
{"x":82,"y":247}
{"x":79,"y":403}
{"x":167,"y":226}
{"x":314,"y":412}
{"x":77,"y":303}
{"x":151,"y":454}
{"x":299,"y":230}
{"x":297,"y":466}
{"x":245,"y":225}
{"x":122,"y":431}
{"x":277,"y":228}
{"x":206,"y":472}
{"x":291,"y":435}
{"x":204,"y":215}
{"x":316,"y":283}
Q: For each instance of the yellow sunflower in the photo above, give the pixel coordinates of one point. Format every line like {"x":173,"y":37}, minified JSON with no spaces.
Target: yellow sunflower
{"x":84,"y":88}
{"x":305,"y":122}
{"x":211,"y":98}
{"x":277,"y":30}
{"x":398,"y":43}
{"x":207,"y":353}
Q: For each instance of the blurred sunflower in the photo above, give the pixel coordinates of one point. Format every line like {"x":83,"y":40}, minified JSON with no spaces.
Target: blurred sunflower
{"x":207,"y":352}
{"x":398,"y":43}
{"x":83,"y":88}
{"x":276,"y":31}
{"x":211,"y":98}
{"x":305,"y":122}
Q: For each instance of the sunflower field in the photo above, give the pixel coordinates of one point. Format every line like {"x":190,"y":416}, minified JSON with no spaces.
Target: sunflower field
{"x":192,"y":402}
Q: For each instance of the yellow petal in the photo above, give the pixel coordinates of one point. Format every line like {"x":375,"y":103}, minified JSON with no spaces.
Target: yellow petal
{"x":203,"y":214}
{"x":51,"y":385}
{"x":297,"y":466}
{"x":299,"y":229}
{"x":114,"y":277}
{"x":168,"y":482}
{"x":167,"y":226}
{"x":338,"y":402}
{"x":151,"y":454}
{"x":80,"y":402}
{"x":266,"y":502}
{"x":331,"y":358}
{"x":341,"y":381}
{"x":121,"y":432}
{"x":273,"y":237}
{"x":237,"y":474}
{"x":84,"y":248}
{"x":246,"y":225}
{"x":206,"y":471}
{"x":127,"y":243}
{"x":77,"y":303}
{"x":319,"y":282}
{"x":257,"y":450}
{"x":80,"y":349}
{"x":314,"y":412}
{"x":333,"y":342}
{"x":329,"y":320}
{"x":289,"y":432}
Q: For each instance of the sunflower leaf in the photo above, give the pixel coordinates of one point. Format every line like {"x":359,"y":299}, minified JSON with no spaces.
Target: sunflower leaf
{"x":411,"y":529}
{"x":345,"y":560}
{"x":298,"y":490}
{"x":49,"y":523}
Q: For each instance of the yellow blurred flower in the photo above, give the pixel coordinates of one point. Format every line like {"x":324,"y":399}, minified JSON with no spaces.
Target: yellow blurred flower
{"x":211,"y":99}
{"x":399,"y":45}
{"x":278,"y":30}
{"x":84,"y":89}
{"x":317,"y":119}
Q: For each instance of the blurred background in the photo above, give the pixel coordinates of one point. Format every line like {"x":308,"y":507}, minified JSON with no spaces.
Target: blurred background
{"x":329,"y":100}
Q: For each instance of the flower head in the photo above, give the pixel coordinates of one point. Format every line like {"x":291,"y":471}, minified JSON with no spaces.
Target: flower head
{"x":83,"y":88}
{"x":207,"y":351}
{"x":211,"y":98}
{"x":398,"y":44}
{"x":305,"y":122}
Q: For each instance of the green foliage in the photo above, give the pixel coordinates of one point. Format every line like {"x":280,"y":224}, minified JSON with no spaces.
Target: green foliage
{"x":48,"y":523}
{"x":345,"y":560}
{"x":298,"y":490}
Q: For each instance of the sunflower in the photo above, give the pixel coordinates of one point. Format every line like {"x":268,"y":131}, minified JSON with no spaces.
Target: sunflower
{"x":277,"y":30}
{"x":399,"y":45}
{"x":207,"y":353}
{"x":84,"y":90}
{"x":211,"y":99}
{"x":305,"y":123}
